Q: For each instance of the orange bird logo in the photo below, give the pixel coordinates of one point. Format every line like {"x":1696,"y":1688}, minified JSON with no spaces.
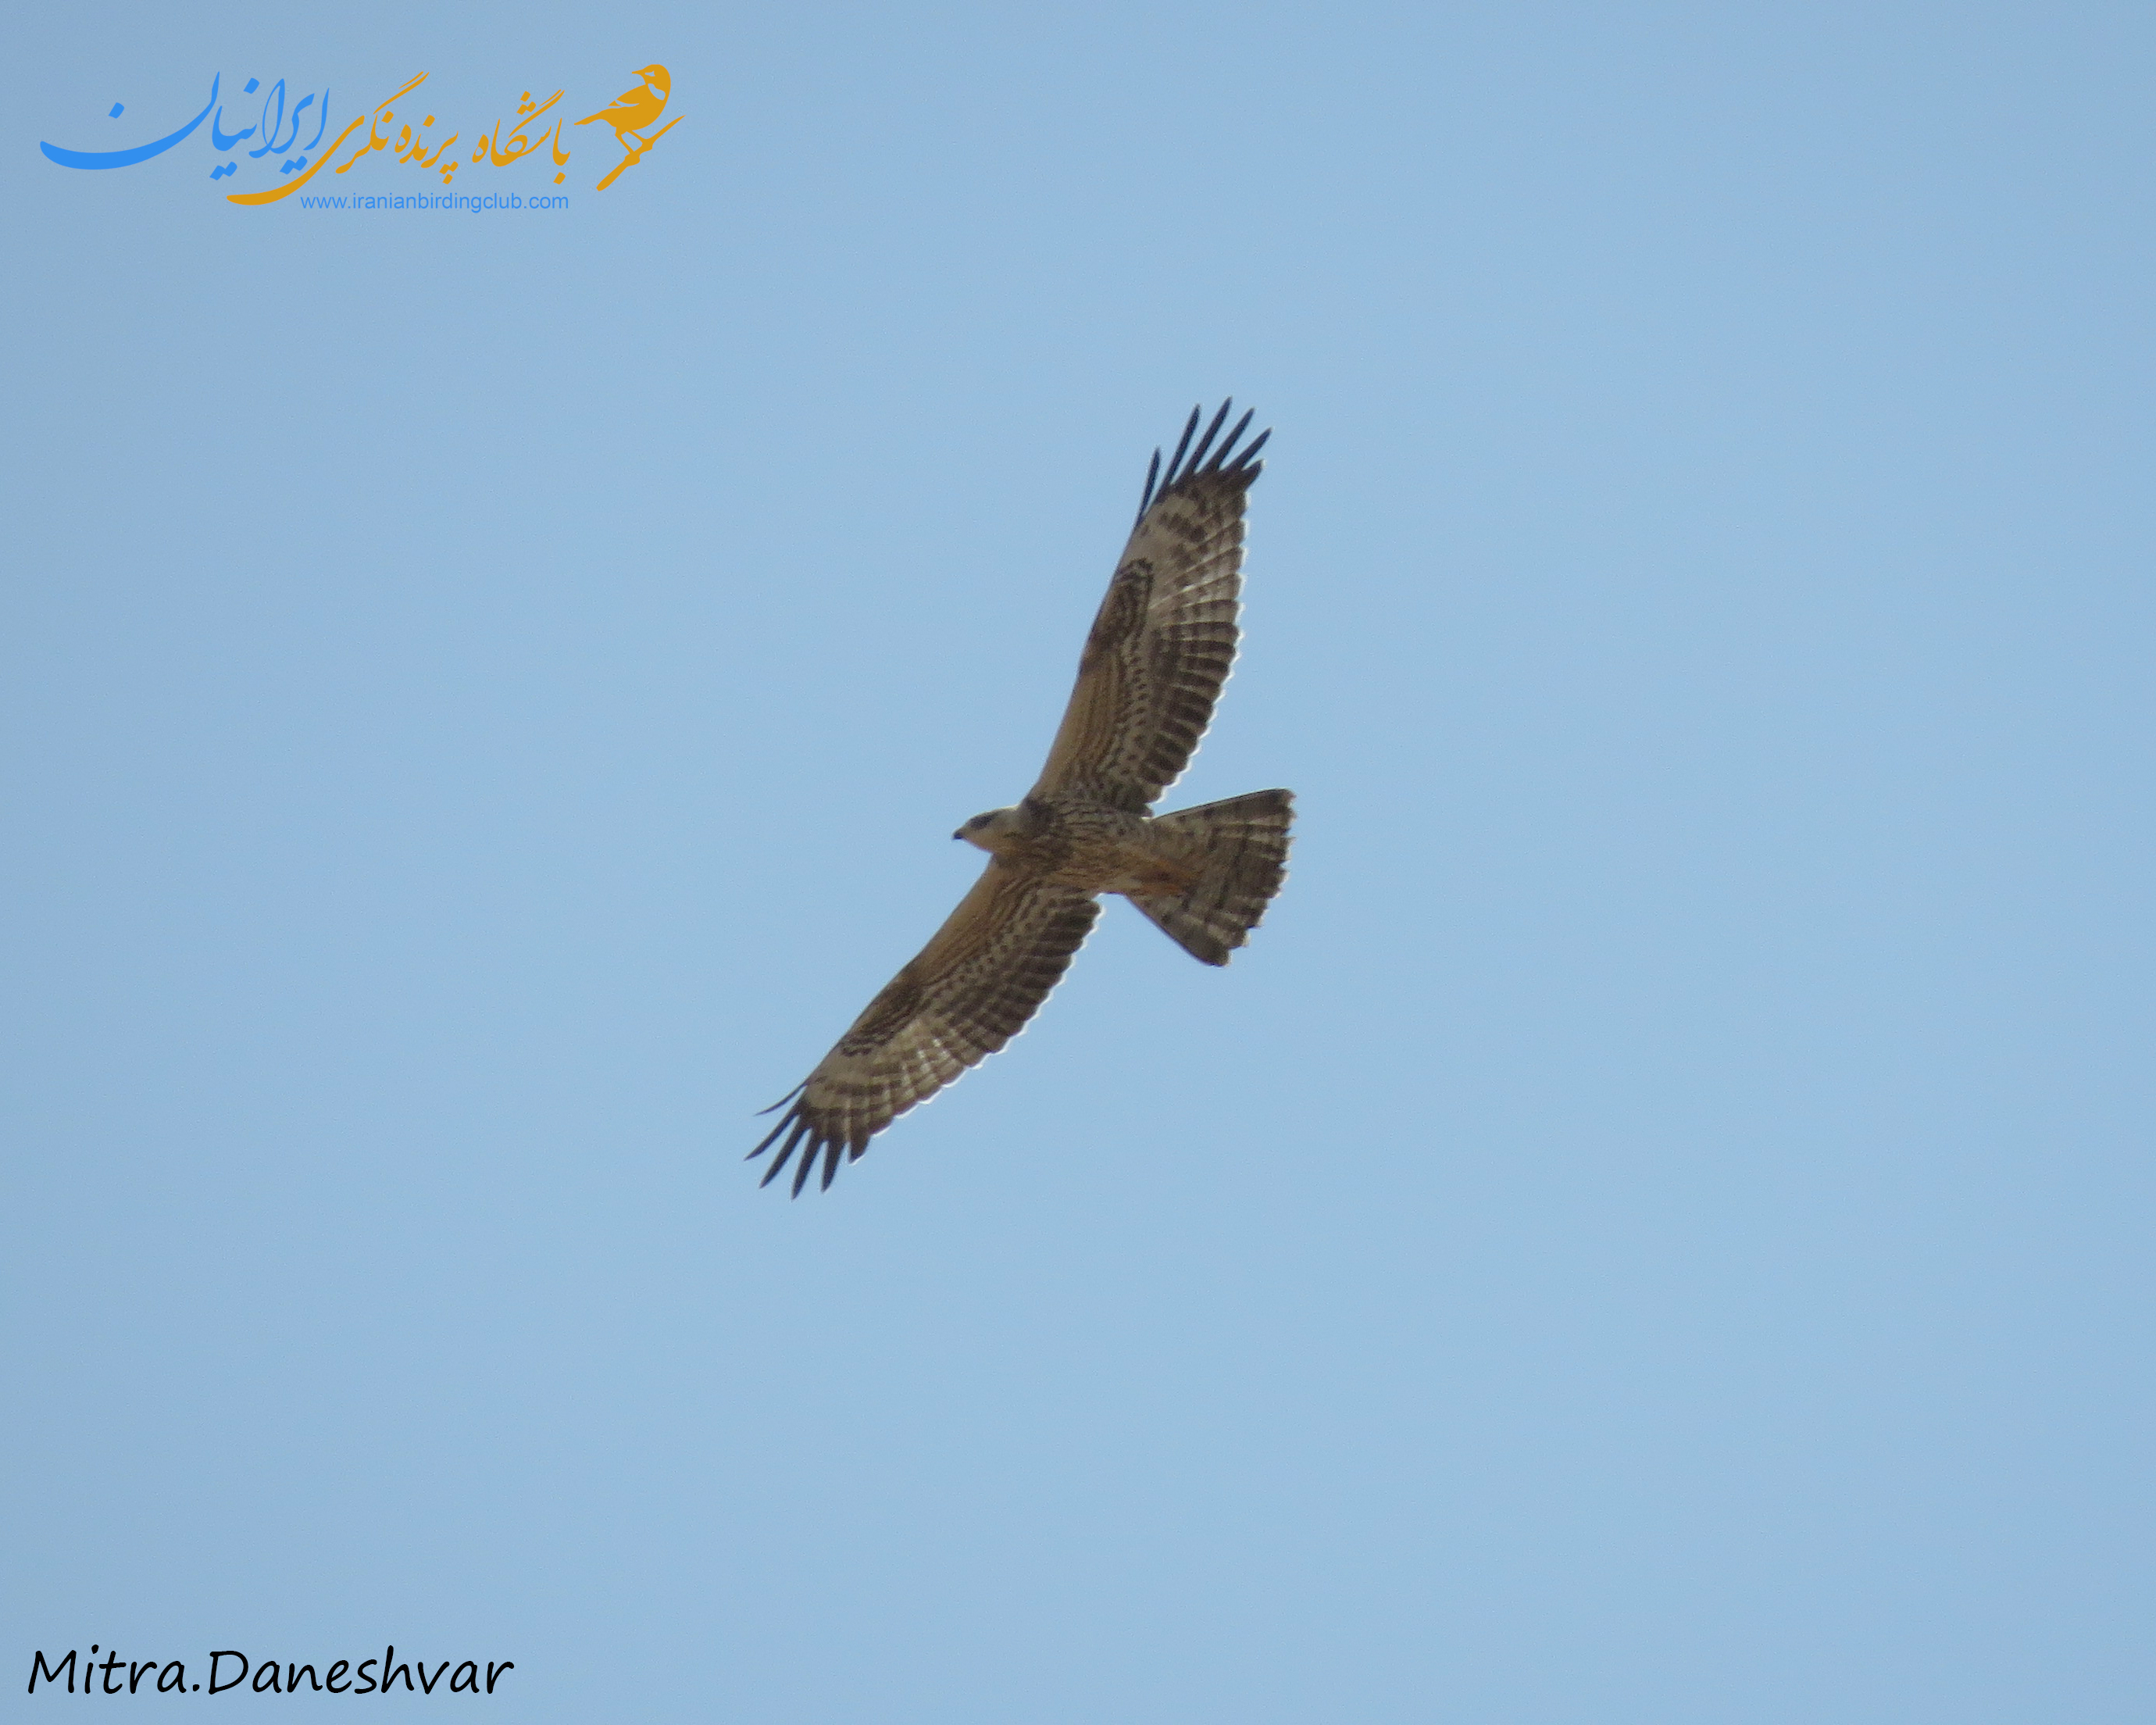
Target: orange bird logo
{"x":631,"y":113}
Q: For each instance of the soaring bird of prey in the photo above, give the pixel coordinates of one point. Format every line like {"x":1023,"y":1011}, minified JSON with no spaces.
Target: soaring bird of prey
{"x":1154,"y":664}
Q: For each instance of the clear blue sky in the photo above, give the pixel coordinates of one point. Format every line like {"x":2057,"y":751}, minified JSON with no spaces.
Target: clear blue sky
{"x":1656,"y":1226}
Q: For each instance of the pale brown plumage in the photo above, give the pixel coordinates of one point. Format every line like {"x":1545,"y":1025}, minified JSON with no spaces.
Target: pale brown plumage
{"x":1154,"y":662}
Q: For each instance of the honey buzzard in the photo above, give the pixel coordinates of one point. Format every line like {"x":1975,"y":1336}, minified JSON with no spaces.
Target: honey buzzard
{"x":1154,"y":664}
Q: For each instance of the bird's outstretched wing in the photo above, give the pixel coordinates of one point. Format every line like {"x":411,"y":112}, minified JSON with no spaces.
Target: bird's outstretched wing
{"x":625,"y":106}
{"x":970,"y":990}
{"x":1165,"y":636}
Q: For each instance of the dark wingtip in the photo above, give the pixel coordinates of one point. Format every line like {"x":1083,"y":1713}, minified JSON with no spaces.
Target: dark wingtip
{"x":1152,"y":478}
{"x":1227,"y":448}
{"x":1187,"y":462}
{"x":832,"y":1144}
{"x":1205,"y":443}
{"x":799,"y":1129}
{"x":1189,"y":429}
{"x":767,"y":1137}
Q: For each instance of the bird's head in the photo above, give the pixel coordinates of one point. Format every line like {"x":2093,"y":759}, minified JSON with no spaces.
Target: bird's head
{"x":988,"y":831}
{"x":656,"y":77}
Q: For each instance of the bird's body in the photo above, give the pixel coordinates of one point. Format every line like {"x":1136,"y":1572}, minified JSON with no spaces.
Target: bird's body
{"x":1154,"y":662}
{"x":1077,"y":842}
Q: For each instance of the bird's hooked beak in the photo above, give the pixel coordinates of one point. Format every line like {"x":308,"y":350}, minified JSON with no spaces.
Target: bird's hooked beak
{"x":960,"y":833}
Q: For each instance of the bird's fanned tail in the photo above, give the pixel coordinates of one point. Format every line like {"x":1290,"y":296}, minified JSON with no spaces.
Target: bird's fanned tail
{"x":1241,"y":848}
